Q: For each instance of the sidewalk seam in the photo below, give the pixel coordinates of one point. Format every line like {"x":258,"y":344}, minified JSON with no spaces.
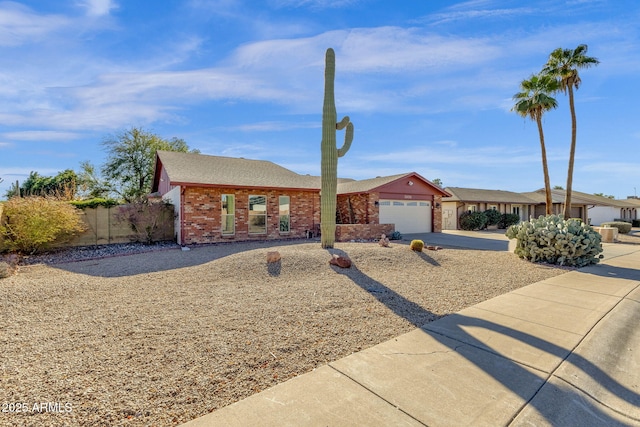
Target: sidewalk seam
{"x":378,"y":396}
{"x":553,"y":373}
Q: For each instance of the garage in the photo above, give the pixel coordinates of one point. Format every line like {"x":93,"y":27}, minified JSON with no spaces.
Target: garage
{"x":409,"y":216}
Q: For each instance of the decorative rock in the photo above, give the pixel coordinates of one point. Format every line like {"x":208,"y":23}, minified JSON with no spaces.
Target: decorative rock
{"x":273,"y":256}
{"x":433,"y":248}
{"x":340,"y":261}
{"x":384,"y":241}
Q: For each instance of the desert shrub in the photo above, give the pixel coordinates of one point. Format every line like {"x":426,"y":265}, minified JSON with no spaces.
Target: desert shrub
{"x":555,"y":240}
{"x":146,"y":219}
{"x":493,"y":216}
{"x":472,"y":220}
{"x":416,"y":245}
{"x":508,"y":219}
{"x":396,"y":235}
{"x":33,"y":224}
{"x":623,"y":227}
{"x":94,"y":203}
{"x":5,"y":270}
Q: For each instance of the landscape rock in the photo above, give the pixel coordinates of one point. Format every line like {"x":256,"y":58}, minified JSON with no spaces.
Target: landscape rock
{"x":384,"y":241}
{"x":273,"y":256}
{"x":340,"y":261}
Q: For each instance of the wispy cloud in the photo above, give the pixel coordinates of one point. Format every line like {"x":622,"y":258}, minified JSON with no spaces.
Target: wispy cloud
{"x":272,"y":126}
{"x":43,"y":135}
{"x":314,"y":4}
{"x":20,"y":24}
{"x":98,"y":7}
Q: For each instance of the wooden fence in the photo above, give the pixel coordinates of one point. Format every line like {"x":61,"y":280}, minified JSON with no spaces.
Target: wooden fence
{"x":104,"y":228}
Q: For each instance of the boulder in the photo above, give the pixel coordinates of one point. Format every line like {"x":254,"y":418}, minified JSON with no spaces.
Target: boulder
{"x":384,"y":241}
{"x":340,"y":261}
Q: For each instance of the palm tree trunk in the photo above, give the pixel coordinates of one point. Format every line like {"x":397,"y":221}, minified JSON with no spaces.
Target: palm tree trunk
{"x":572,"y":154}
{"x":545,"y":168}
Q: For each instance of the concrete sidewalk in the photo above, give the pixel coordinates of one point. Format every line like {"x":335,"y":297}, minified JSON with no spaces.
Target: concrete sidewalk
{"x":564,"y":351}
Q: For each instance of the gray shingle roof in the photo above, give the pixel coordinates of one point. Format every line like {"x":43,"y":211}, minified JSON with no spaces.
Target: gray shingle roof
{"x":187,"y":168}
{"x":459,"y":194}
{"x":366,"y":185}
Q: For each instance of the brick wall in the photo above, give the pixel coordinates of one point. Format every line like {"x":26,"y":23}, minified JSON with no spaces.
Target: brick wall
{"x":353,"y":209}
{"x":202,"y":218}
{"x":437,"y":214}
{"x":347,"y":232}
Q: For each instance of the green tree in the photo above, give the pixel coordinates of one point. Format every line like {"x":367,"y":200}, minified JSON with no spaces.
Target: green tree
{"x":558,"y":187}
{"x":533,"y":101}
{"x":91,"y":185}
{"x":62,"y":186}
{"x":437,"y":182}
{"x":563,"y":65}
{"x":130,"y":160}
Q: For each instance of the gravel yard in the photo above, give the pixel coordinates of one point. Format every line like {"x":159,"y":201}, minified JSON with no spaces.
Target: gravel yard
{"x":160,"y":338}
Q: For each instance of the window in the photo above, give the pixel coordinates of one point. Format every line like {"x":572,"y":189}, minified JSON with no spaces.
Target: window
{"x":396,"y":203}
{"x":385,"y":203}
{"x":228,"y":214}
{"x":515,"y":210}
{"x":285,"y":217}
{"x":471,"y":208}
{"x":412,"y":203}
{"x":257,"y":214}
{"x":493,"y":207}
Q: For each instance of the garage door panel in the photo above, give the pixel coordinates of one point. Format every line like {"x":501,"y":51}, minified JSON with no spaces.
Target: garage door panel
{"x":409,"y":216}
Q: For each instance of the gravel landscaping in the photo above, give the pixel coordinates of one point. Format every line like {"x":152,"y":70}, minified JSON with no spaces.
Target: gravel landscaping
{"x":162,"y":337}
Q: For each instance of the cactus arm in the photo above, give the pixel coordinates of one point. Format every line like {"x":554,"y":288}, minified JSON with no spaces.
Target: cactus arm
{"x":342,"y":123}
{"x":348,"y":138}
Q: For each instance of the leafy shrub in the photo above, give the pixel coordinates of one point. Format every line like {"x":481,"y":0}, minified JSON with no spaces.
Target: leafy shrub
{"x":493,"y":216}
{"x":555,"y":240}
{"x":416,"y":245}
{"x":33,"y":224}
{"x":472,"y":220}
{"x":94,"y":203}
{"x":396,"y":235}
{"x":508,"y":219}
{"x":635,"y":222}
{"x":623,"y":227}
{"x":146,"y":219}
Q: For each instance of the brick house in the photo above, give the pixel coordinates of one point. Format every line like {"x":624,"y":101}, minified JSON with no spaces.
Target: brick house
{"x":234,"y":199}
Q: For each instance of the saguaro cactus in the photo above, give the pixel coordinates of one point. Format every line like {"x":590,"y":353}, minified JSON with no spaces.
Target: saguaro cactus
{"x":330,"y":153}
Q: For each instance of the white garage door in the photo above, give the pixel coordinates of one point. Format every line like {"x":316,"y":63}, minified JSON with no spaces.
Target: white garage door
{"x":409,"y":216}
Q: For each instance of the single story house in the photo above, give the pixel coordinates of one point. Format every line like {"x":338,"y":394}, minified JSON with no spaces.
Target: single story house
{"x":225,"y":199}
{"x":475,"y":199}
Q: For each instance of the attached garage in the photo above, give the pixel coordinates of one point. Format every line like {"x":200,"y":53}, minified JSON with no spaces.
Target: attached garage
{"x":409,"y":216}
{"x":408,"y":201}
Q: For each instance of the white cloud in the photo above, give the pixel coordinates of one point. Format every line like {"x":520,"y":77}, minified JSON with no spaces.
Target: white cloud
{"x":98,"y":7}
{"x":272,"y":126}
{"x":40,"y":135}
{"x":20,"y":25}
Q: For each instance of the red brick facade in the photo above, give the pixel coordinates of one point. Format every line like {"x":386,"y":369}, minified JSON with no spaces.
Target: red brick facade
{"x":201,"y":214}
{"x":437,"y":214}
{"x":347,"y":232}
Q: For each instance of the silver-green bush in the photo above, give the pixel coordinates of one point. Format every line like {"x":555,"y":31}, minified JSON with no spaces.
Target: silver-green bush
{"x":554,"y":240}
{"x":623,"y":227}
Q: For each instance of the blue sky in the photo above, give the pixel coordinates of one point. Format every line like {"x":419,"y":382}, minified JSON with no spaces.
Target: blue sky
{"x":427,"y":84}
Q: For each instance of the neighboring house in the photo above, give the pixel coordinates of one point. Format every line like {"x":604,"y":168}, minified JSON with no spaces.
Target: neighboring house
{"x":474,"y":199}
{"x":603,"y":209}
{"x":590,"y":208}
{"x":225,"y":199}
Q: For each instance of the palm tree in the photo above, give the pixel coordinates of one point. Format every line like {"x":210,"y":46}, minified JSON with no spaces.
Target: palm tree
{"x":533,"y":102}
{"x":563,"y":65}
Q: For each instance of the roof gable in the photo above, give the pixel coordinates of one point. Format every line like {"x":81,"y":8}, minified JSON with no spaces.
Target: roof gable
{"x":383,"y":183}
